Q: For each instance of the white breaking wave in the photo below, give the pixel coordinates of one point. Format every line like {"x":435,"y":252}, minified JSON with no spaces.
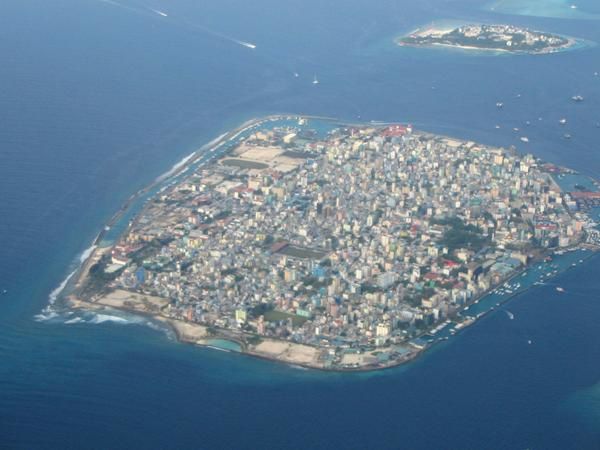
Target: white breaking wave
{"x":102,"y":318}
{"x":175,"y":168}
{"x":74,"y":320}
{"x":169,"y":333}
{"x":46,"y":315}
{"x":87,"y":253}
{"x":61,"y":287}
{"x":208,"y":145}
{"x":122,"y":318}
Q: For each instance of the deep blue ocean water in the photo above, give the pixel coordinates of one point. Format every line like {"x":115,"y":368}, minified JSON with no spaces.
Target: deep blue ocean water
{"x":97,"y":100}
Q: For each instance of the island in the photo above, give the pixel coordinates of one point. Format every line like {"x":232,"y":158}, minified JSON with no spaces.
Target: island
{"x":504,"y":38}
{"x":334,"y":246}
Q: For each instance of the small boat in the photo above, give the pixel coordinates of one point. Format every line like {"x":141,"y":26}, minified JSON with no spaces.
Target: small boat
{"x":4,"y":292}
{"x":560,"y":289}
{"x":562,"y":121}
{"x":567,"y":136}
{"x":499,"y":105}
{"x":529,"y":341}
{"x":510,"y":315}
{"x":315,"y":80}
{"x":577,"y":98}
{"x":497,"y":127}
{"x":524,"y":139}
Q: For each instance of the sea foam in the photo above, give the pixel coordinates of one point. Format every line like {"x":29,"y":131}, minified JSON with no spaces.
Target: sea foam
{"x":175,"y":167}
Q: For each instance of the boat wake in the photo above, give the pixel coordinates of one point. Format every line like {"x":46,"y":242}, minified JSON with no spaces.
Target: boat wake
{"x":151,"y":12}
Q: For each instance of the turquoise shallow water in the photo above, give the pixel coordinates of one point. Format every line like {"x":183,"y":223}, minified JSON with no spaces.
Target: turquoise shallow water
{"x":98,"y":101}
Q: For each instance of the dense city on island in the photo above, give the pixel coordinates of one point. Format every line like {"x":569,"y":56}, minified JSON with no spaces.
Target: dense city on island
{"x":490,"y":37}
{"x":362,"y":237}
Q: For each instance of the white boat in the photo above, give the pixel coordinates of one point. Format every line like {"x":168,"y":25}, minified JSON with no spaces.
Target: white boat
{"x":560,"y":289}
{"x":524,"y":139}
{"x":510,"y":315}
{"x":562,"y":121}
{"x":315,"y":80}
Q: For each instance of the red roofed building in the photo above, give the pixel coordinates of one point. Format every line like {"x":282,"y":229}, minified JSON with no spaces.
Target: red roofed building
{"x":396,"y":130}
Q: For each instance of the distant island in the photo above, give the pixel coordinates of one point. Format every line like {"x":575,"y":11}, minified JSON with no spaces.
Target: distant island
{"x":334,"y":246}
{"x":505,"y":38}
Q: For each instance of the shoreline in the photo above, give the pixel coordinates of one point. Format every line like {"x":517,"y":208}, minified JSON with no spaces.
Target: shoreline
{"x":196,"y":333}
{"x":572,"y":43}
{"x":278,"y":350}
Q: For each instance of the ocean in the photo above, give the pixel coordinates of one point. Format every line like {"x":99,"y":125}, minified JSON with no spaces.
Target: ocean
{"x":99,"y":98}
